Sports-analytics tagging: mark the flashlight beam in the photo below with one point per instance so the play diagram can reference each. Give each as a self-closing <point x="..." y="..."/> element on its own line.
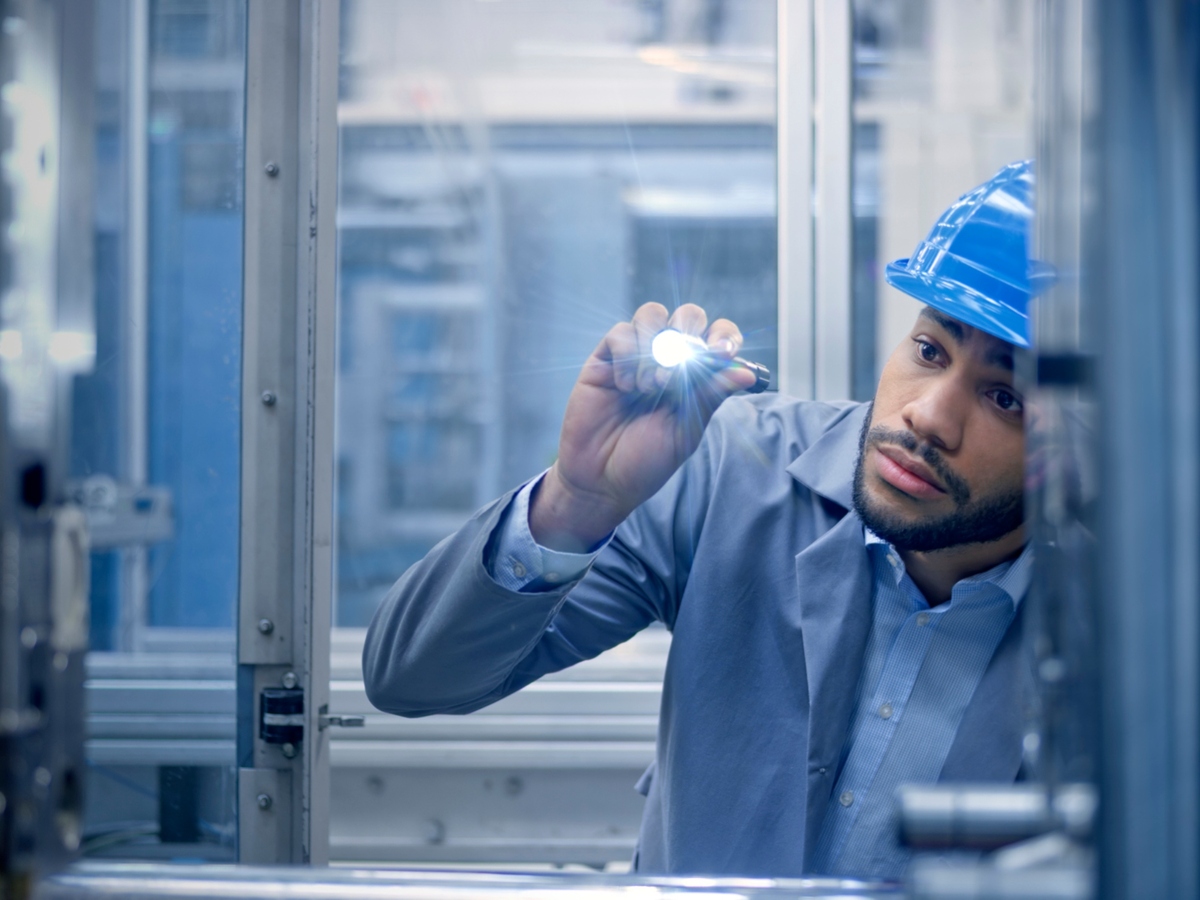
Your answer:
<point x="672" y="348"/>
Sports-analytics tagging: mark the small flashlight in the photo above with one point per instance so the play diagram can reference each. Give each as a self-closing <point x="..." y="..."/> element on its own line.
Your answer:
<point x="672" y="348"/>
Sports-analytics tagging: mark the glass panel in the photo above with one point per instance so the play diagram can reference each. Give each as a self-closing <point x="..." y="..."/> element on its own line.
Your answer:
<point x="155" y="437"/>
<point x="517" y="177"/>
<point x="943" y="97"/>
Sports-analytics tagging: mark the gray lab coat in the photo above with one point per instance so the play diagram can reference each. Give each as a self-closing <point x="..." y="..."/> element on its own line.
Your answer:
<point x="753" y="558"/>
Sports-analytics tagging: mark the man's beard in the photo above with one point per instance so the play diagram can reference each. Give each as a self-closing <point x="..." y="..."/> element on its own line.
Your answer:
<point x="978" y="521"/>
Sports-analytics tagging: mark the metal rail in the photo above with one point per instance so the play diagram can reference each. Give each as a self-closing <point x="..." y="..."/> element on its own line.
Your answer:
<point x="157" y="882"/>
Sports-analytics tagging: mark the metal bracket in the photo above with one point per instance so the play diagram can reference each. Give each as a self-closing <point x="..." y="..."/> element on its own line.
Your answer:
<point x="281" y="716"/>
<point x="324" y="722"/>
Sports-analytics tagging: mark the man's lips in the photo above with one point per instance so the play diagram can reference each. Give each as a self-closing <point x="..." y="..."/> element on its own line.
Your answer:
<point x="907" y="474"/>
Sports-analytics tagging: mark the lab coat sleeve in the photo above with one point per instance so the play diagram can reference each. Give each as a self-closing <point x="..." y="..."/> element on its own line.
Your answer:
<point x="448" y="638"/>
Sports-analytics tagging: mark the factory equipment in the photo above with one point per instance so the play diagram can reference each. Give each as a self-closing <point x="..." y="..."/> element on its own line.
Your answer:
<point x="1110" y="804"/>
<point x="45" y="337"/>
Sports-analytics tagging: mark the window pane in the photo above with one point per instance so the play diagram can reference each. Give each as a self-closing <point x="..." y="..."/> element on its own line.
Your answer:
<point x="943" y="98"/>
<point x="156" y="426"/>
<point x="515" y="178"/>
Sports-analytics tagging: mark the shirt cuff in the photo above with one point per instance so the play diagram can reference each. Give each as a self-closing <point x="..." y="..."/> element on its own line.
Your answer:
<point x="520" y="560"/>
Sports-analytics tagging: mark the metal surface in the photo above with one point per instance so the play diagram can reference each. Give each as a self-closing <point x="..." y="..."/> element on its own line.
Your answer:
<point x="794" y="154"/>
<point x="546" y="775"/>
<point x="988" y="816"/>
<point x="964" y="881"/>
<point x="814" y="211"/>
<point x="1141" y="282"/>
<point x="149" y="882"/>
<point x="120" y="515"/>
<point x="832" y="258"/>
<point x="287" y="446"/>
<point x="44" y="100"/>
<point x="135" y="312"/>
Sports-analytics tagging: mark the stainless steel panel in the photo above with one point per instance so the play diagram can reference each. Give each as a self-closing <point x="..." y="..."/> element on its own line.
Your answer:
<point x="150" y="882"/>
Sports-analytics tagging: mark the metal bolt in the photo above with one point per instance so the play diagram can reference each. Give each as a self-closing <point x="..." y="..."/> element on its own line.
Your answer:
<point x="288" y="750"/>
<point x="272" y="169"/>
<point x="290" y="680"/>
<point x="264" y="801"/>
<point x="265" y="626"/>
<point x="268" y="398"/>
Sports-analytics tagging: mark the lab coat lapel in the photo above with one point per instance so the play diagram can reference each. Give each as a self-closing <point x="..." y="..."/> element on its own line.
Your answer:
<point x="834" y="585"/>
<point x="833" y="581"/>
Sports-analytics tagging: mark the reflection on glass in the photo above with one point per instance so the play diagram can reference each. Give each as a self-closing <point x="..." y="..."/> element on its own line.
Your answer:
<point x="943" y="97"/>
<point x="155" y="432"/>
<point x="515" y="178"/>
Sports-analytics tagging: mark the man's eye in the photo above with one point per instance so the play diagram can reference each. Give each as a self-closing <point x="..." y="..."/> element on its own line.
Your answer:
<point x="928" y="352"/>
<point x="1006" y="401"/>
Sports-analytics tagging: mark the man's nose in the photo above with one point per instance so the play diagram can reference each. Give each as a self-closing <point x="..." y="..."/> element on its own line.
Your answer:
<point x="937" y="413"/>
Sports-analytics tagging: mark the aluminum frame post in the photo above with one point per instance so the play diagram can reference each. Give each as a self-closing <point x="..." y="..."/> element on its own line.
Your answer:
<point x="286" y="584"/>
<point x="833" y="256"/>
<point x="794" y="184"/>
<point x="815" y="106"/>
<point x="1143" y="273"/>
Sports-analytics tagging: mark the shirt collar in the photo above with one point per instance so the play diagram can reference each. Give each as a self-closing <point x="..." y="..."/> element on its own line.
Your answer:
<point x="1011" y="576"/>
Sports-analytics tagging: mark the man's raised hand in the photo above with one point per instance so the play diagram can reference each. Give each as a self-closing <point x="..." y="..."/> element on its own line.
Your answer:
<point x="630" y="424"/>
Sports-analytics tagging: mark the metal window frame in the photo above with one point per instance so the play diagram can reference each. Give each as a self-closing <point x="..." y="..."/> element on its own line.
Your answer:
<point x="814" y="161"/>
<point x="287" y="418"/>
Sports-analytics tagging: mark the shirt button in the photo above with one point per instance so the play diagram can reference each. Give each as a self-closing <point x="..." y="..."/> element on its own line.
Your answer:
<point x="847" y="798"/>
<point x="885" y="711"/>
<point x="518" y="569"/>
<point x="922" y="619"/>
<point x="552" y="577"/>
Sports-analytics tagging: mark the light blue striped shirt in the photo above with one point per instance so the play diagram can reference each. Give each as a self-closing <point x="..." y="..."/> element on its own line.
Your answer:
<point x="920" y="670"/>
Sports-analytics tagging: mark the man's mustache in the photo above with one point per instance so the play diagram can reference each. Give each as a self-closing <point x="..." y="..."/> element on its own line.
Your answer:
<point x="955" y="486"/>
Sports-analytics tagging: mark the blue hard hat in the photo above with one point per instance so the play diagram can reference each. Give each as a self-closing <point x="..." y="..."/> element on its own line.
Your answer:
<point x="974" y="266"/>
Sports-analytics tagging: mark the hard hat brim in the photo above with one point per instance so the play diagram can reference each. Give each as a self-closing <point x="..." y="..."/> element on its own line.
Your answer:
<point x="960" y="302"/>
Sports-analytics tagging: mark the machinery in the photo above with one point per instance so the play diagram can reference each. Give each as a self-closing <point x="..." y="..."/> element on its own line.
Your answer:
<point x="45" y="337"/>
<point x="1110" y="804"/>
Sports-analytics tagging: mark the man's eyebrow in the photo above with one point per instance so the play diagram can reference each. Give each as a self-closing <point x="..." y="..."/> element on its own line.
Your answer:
<point x="998" y="356"/>
<point x="952" y="326"/>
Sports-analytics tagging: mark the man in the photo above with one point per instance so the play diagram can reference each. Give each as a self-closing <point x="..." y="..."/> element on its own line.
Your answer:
<point x="843" y="581"/>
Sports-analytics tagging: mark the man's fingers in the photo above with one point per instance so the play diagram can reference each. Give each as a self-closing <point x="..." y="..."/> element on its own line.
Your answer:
<point x="724" y="338"/>
<point x="622" y="343"/>
<point x="690" y="319"/>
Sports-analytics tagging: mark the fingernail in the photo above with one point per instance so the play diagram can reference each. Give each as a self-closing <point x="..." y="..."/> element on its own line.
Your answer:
<point x="726" y="346"/>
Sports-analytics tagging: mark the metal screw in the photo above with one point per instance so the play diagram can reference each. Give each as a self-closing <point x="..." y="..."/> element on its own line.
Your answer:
<point x="268" y="398"/>
<point x="265" y="626"/>
<point x="290" y="680"/>
<point x="289" y="750"/>
<point x="271" y="169"/>
<point x="264" y="801"/>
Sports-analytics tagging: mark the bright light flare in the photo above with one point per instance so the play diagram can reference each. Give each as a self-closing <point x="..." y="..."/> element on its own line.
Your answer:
<point x="673" y="348"/>
<point x="11" y="344"/>
<point x="72" y="348"/>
